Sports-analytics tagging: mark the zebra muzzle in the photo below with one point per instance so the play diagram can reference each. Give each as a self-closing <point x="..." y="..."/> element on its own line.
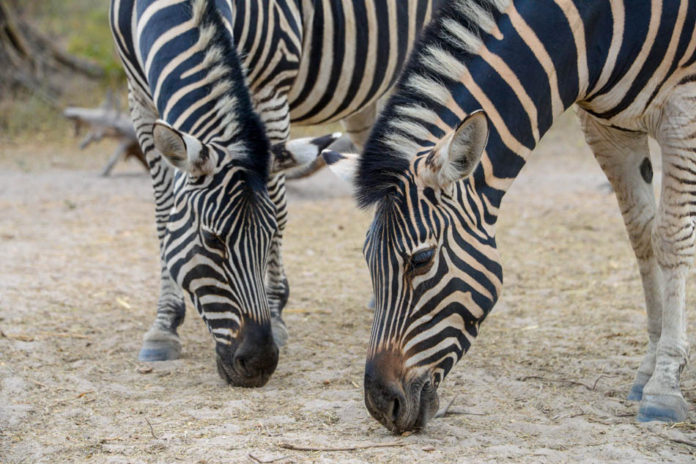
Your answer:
<point x="399" y="402"/>
<point x="251" y="361"/>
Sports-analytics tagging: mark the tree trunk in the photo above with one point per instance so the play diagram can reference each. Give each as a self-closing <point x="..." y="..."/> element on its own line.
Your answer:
<point x="28" y="58"/>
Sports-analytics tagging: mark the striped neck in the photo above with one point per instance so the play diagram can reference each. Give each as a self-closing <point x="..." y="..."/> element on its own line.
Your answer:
<point x="188" y="52"/>
<point x="524" y="64"/>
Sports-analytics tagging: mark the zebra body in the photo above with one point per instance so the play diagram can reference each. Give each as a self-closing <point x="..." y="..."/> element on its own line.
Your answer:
<point x="486" y="81"/>
<point x="213" y="86"/>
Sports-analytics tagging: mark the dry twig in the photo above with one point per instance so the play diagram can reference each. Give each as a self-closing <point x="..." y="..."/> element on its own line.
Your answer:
<point x="152" y="431"/>
<point x="682" y="441"/>
<point x="443" y="412"/>
<point x="392" y="444"/>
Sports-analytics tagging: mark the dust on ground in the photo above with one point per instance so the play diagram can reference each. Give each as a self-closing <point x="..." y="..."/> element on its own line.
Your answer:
<point x="545" y="382"/>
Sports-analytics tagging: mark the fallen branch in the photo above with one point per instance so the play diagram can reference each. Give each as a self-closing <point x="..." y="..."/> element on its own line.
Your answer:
<point x="107" y="121"/>
<point x="461" y="412"/>
<point x="392" y="444"/>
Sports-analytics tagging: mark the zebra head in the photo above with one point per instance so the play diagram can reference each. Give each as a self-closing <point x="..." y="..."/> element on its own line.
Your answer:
<point x="434" y="269"/>
<point x="217" y="242"/>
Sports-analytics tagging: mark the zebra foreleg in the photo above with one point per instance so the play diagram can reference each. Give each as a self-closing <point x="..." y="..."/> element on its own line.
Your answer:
<point x="673" y="244"/>
<point x="277" y="287"/>
<point x="161" y="342"/>
<point x="625" y="159"/>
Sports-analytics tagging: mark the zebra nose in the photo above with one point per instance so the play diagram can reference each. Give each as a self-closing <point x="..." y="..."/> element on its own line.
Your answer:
<point x="400" y="401"/>
<point x="252" y="361"/>
<point x="386" y="401"/>
<point x="385" y="397"/>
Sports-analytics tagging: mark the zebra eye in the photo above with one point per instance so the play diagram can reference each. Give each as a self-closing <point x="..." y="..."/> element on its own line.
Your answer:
<point x="214" y="241"/>
<point x="421" y="259"/>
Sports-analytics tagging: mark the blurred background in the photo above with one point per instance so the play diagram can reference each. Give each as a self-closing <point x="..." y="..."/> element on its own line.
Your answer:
<point x="53" y="53"/>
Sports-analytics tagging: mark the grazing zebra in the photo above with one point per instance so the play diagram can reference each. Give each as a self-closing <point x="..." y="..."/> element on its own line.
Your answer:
<point x="211" y="86"/>
<point x="483" y="85"/>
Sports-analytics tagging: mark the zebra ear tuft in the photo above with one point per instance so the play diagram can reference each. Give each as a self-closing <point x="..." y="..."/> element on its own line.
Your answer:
<point x="299" y="152"/>
<point x="344" y="165"/>
<point x="182" y="150"/>
<point x="457" y="156"/>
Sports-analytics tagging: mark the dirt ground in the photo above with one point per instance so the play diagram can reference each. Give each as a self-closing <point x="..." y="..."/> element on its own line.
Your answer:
<point x="545" y="382"/>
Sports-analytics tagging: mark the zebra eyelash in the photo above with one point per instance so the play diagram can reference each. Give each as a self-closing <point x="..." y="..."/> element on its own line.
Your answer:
<point x="420" y="262"/>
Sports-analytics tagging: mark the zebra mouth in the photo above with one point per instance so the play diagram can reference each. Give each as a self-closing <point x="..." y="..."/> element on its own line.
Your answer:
<point x="402" y="409"/>
<point x="428" y="404"/>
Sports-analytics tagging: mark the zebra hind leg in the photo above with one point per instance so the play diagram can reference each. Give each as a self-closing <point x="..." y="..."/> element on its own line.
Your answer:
<point x="673" y="244"/>
<point x="277" y="287"/>
<point x="161" y="342"/>
<point x="625" y="159"/>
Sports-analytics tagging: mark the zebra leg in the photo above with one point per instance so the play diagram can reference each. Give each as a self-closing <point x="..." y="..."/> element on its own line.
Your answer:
<point x="358" y="127"/>
<point x="625" y="159"/>
<point x="161" y="342"/>
<point x="277" y="287"/>
<point x="673" y="244"/>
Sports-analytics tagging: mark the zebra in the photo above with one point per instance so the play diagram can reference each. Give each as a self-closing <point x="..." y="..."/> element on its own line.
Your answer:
<point x="213" y="87"/>
<point x="485" y="82"/>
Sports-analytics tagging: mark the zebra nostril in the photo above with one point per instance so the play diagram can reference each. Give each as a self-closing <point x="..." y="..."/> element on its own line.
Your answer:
<point x="395" y="410"/>
<point x="240" y="365"/>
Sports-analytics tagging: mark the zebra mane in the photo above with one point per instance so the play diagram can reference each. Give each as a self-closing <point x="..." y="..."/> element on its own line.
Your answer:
<point x="240" y="127"/>
<point x="406" y="126"/>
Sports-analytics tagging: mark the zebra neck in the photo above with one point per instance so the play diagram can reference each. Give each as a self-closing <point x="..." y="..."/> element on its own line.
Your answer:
<point x="526" y="72"/>
<point x="523" y="63"/>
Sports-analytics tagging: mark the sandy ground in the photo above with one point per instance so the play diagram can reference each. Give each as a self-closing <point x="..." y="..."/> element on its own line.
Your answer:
<point x="545" y="382"/>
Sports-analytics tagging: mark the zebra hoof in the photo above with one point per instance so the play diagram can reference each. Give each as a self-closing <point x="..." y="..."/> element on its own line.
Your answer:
<point x="280" y="332"/>
<point x="665" y="408"/>
<point x="636" y="393"/>
<point x="160" y="345"/>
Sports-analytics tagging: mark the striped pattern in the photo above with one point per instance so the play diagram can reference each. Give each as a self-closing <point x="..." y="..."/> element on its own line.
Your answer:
<point x="227" y="77"/>
<point x="631" y="68"/>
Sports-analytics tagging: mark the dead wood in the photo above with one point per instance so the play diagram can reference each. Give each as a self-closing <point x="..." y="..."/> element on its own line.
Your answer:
<point x="290" y="446"/>
<point x="107" y="121"/>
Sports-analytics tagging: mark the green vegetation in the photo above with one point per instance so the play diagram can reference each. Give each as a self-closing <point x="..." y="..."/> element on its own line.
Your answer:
<point x="81" y="28"/>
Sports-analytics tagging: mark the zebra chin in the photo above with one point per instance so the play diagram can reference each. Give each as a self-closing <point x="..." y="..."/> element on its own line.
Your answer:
<point x="399" y="401"/>
<point x="250" y="360"/>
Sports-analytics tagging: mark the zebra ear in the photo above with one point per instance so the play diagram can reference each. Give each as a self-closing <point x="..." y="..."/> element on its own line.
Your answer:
<point x="182" y="150"/>
<point x="299" y="152"/>
<point x="459" y="153"/>
<point x="344" y="165"/>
